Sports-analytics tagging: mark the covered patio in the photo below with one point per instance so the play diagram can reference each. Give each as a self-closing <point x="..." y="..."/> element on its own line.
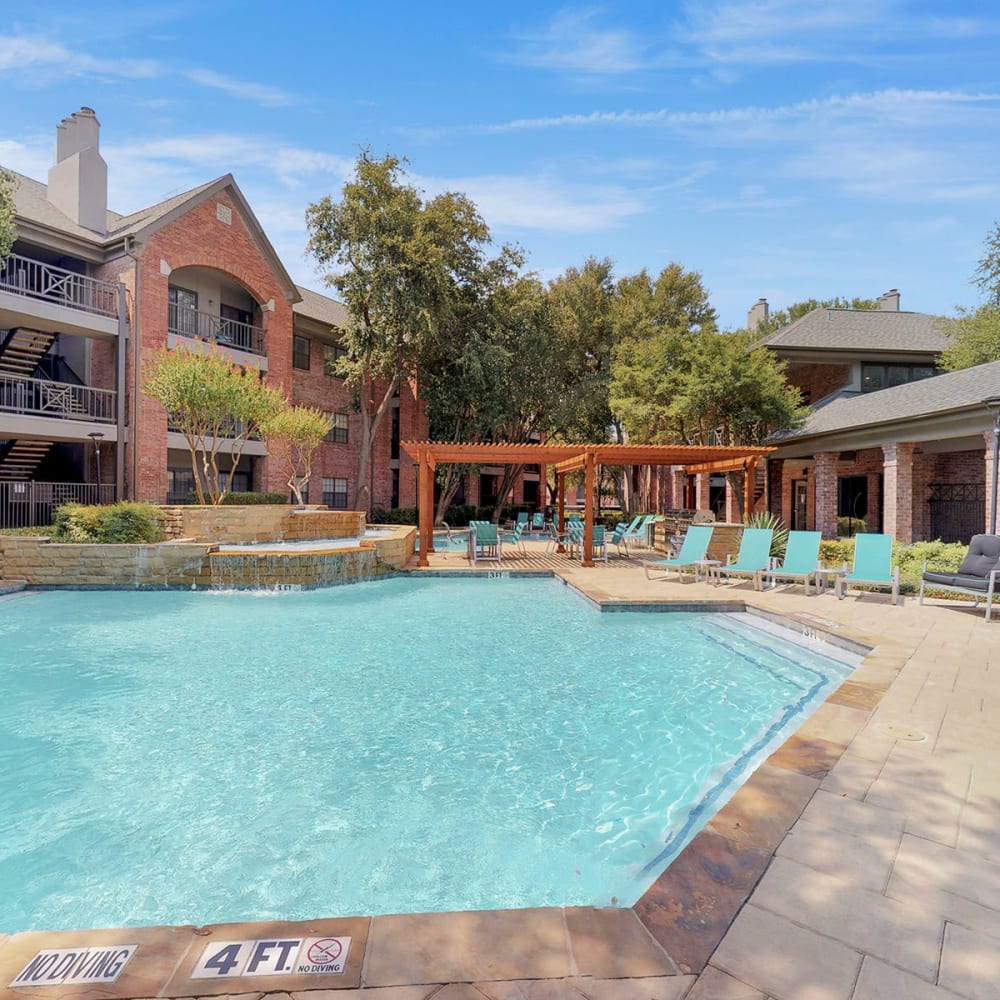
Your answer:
<point x="573" y="458"/>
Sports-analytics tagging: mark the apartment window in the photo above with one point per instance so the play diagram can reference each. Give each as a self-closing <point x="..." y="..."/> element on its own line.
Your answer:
<point x="875" y="377"/>
<point x="180" y="483"/>
<point x="394" y="439"/>
<point x="300" y="353"/>
<point x="332" y="353"/>
<point x="335" y="493"/>
<point x="182" y="311"/>
<point x="338" y="433"/>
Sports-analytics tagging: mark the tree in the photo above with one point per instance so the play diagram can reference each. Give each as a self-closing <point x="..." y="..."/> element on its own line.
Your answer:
<point x="211" y="401"/>
<point x="987" y="276"/>
<point x="399" y="264"/>
<point x="678" y="380"/>
<point x="973" y="337"/>
<point x="293" y="435"/>
<point x="7" y="211"/>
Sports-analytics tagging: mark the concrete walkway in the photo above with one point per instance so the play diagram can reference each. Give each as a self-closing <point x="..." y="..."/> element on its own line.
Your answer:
<point x="861" y="861"/>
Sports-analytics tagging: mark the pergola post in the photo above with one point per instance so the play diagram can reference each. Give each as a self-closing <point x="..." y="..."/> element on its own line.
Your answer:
<point x="560" y="507"/>
<point x="749" y="479"/>
<point x="426" y="518"/>
<point x="588" y="509"/>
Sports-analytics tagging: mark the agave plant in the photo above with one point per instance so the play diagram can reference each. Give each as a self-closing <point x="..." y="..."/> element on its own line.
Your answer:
<point x="765" y="519"/>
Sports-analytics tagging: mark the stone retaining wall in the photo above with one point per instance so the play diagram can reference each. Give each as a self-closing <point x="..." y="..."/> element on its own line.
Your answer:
<point x="41" y="563"/>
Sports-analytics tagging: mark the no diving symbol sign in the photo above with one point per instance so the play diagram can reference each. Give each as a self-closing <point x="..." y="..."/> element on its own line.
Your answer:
<point x="323" y="955"/>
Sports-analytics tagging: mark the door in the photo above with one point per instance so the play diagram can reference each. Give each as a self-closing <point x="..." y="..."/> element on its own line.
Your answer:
<point x="800" y="505"/>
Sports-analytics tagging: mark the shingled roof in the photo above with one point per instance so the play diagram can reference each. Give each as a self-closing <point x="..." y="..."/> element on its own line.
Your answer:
<point x="320" y="308"/>
<point x="860" y="331"/>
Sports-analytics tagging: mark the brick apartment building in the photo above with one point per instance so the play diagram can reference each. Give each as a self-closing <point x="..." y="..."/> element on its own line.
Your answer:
<point x="90" y="295"/>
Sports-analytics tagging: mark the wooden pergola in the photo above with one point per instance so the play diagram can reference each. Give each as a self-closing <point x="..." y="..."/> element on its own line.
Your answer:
<point x="572" y="458"/>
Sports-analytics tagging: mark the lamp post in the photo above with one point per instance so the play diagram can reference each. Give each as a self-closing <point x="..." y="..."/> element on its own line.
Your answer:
<point x="97" y="437"/>
<point x="993" y="405"/>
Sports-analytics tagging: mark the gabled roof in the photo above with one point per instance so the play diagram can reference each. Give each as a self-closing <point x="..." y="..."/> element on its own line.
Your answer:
<point x="32" y="205"/>
<point x="860" y="331"/>
<point x="321" y="308"/>
<point x="942" y="394"/>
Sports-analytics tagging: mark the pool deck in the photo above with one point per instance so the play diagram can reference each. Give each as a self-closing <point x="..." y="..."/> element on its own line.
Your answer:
<point x="861" y="860"/>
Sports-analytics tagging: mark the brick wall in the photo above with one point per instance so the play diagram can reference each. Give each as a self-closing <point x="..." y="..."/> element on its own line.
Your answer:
<point x="817" y="381"/>
<point x="199" y="239"/>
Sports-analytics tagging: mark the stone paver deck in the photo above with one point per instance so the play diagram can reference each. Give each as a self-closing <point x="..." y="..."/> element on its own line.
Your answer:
<point x="861" y="861"/>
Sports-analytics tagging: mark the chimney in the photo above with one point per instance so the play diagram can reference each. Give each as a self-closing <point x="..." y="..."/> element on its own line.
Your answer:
<point x="890" y="301"/>
<point x="757" y="315"/>
<point x="78" y="182"/>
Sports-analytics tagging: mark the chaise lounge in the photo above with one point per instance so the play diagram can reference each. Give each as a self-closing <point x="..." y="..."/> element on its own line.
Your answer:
<point x="977" y="576"/>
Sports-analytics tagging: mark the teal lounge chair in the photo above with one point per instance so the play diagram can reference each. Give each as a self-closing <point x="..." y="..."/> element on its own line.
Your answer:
<point x="872" y="566"/>
<point x="692" y="553"/>
<point x="637" y="534"/>
<point x="801" y="559"/>
<point x="537" y="521"/>
<point x="752" y="559"/>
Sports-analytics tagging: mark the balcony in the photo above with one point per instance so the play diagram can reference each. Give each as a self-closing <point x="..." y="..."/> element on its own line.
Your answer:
<point x="41" y="296"/>
<point x="183" y="321"/>
<point x="63" y="400"/>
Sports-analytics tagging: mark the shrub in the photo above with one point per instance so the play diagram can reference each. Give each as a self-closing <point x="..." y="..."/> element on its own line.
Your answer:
<point x="765" y="519"/>
<point x="849" y="526"/>
<point x="393" y="515"/>
<point x="123" y="522"/>
<point x="248" y="499"/>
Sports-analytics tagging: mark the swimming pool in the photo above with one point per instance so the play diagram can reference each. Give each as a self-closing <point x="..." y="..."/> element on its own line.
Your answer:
<point x="397" y="746"/>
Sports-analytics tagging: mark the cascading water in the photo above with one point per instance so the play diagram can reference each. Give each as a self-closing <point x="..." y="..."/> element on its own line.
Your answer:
<point x="270" y="569"/>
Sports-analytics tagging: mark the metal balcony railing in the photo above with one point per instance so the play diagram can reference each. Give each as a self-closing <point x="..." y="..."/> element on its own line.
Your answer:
<point x="36" y="280"/>
<point x="39" y="397"/>
<point x="31" y="504"/>
<point x="187" y="322"/>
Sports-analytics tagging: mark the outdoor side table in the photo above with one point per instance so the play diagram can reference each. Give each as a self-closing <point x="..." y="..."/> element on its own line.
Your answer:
<point x="706" y="566"/>
<point x="825" y="577"/>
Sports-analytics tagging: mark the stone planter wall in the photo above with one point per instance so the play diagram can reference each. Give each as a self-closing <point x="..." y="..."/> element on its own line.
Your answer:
<point x="260" y="523"/>
<point x="41" y="563"/>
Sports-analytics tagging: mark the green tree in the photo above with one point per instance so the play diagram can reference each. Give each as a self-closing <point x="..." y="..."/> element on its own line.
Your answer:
<point x="293" y="436"/>
<point x="211" y="402"/>
<point x="677" y="379"/>
<point x="973" y="337"/>
<point x="400" y="265"/>
<point x="987" y="276"/>
<point x="7" y="212"/>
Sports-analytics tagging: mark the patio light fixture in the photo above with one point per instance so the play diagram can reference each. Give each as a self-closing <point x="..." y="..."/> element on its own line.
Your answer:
<point x="97" y="437"/>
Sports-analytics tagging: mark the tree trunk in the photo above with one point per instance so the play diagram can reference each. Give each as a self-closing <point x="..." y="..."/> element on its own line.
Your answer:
<point x="369" y="428"/>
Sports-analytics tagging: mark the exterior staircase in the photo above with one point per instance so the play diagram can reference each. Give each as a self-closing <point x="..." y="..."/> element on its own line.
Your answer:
<point x="22" y="349"/>
<point x="19" y="459"/>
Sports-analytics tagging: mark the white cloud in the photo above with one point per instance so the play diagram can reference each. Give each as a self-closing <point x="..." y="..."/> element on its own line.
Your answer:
<point x="27" y="52"/>
<point x="259" y="93"/>
<point x="523" y="202"/>
<point x="571" y="42"/>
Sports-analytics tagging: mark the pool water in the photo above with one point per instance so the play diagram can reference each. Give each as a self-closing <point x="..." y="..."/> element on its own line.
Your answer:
<point x="396" y="746"/>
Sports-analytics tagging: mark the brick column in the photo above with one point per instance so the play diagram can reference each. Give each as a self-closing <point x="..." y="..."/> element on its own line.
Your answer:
<point x="991" y="529"/>
<point x="677" y="487"/>
<point x="733" y="505"/>
<point x="898" y="497"/>
<point x="826" y="492"/>
<point x="701" y="491"/>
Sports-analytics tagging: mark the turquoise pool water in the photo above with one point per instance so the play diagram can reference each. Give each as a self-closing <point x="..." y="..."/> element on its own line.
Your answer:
<point x="397" y="746"/>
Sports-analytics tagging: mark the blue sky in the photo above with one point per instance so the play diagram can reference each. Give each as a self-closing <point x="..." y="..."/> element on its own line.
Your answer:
<point x="784" y="149"/>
